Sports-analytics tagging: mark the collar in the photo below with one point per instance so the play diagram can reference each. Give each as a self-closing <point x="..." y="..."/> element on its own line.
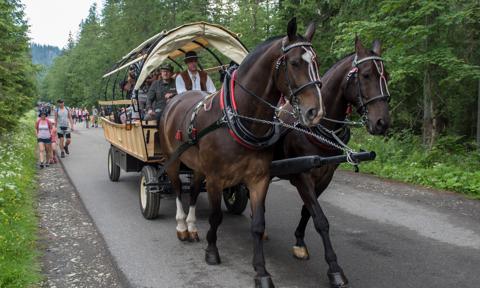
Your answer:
<point x="192" y="74"/>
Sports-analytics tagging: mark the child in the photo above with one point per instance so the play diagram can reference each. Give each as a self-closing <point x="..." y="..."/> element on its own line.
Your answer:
<point x="54" y="159"/>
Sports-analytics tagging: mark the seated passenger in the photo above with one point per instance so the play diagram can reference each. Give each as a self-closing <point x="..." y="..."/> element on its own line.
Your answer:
<point x="192" y="79"/>
<point x="160" y="91"/>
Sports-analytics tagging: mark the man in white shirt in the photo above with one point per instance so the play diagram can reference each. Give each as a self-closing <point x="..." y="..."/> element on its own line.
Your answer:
<point x="192" y="79"/>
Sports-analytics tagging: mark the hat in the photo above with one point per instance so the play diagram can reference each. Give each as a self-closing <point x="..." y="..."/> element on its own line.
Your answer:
<point x="166" y="66"/>
<point x="42" y="112"/>
<point x="190" y="55"/>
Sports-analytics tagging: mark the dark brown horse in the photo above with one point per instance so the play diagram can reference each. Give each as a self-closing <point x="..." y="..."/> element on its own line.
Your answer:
<point x="241" y="151"/>
<point x="358" y="80"/>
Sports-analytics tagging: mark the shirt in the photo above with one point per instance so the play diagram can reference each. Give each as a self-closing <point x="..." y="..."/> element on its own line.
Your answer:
<point x="195" y="83"/>
<point x="156" y="94"/>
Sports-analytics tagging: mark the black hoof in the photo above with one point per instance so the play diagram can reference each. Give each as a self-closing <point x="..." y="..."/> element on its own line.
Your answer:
<point x="212" y="257"/>
<point x="264" y="282"/>
<point x="338" y="280"/>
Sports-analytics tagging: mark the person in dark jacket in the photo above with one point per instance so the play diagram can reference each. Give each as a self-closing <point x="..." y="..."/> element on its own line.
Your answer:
<point x="160" y="91"/>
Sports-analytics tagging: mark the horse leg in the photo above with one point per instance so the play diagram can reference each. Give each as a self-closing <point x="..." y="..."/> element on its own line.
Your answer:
<point x="191" y="218"/>
<point x="258" y="192"/>
<point x="212" y="257"/>
<point x="300" y="250"/>
<point x="307" y="192"/>
<point x="173" y="175"/>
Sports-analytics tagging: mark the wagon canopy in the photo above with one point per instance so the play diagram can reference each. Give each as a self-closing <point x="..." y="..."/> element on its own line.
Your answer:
<point x="176" y="42"/>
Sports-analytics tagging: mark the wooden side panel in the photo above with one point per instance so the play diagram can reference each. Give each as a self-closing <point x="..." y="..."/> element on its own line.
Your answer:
<point x="130" y="141"/>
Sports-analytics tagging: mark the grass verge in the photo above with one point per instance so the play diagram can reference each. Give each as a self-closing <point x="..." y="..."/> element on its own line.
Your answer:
<point x="19" y="262"/>
<point x="451" y="164"/>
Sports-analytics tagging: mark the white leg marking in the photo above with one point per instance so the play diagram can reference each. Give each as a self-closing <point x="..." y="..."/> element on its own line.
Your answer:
<point x="191" y="220"/>
<point x="180" y="217"/>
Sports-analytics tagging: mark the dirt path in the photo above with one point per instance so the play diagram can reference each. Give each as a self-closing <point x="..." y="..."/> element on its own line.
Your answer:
<point x="74" y="253"/>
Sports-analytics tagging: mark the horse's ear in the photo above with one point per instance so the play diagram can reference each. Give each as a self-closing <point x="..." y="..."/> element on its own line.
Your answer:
<point x="292" y="29"/>
<point x="359" y="46"/>
<point x="377" y="47"/>
<point x="310" y="31"/>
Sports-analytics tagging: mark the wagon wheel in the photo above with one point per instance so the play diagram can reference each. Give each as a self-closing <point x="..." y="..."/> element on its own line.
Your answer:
<point x="149" y="201"/>
<point x="113" y="168"/>
<point x="236" y="199"/>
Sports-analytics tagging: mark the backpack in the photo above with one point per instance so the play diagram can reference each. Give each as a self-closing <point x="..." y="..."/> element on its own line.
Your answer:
<point x="48" y="123"/>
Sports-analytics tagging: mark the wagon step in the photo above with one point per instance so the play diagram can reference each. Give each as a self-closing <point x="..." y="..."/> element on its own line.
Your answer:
<point x="305" y="163"/>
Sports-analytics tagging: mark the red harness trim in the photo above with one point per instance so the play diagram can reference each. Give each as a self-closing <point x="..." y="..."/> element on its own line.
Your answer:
<point x="222" y="106"/>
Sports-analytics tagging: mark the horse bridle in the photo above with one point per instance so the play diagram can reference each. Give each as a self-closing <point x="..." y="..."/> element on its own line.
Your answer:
<point x="312" y="72"/>
<point x="384" y="93"/>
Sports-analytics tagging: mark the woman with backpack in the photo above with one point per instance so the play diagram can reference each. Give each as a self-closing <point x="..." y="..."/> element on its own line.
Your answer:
<point x="43" y="128"/>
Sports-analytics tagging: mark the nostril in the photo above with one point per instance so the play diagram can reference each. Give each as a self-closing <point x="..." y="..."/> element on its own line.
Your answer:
<point x="380" y="123"/>
<point x="312" y="113"/>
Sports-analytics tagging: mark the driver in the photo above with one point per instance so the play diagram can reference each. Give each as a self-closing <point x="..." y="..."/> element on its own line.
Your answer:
<point x="192" y="79"/>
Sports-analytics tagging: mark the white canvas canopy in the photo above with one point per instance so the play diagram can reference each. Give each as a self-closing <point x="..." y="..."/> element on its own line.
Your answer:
<point x="175" y="42"/>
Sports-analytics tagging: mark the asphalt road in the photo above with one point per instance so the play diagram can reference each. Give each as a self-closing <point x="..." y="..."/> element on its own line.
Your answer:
<point x="386" y="234"/>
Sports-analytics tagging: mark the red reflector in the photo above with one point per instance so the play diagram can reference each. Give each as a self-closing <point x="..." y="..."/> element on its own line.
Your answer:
<point x="178" y="135"/>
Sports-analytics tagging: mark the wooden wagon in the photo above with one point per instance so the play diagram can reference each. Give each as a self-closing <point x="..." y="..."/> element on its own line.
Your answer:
<point x="134" y="142"/>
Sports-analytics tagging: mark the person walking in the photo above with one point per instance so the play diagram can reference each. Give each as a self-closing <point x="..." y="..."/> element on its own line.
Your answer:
<point x="43" y="128"/>
<point x="94" y="117"/>
<point x="86" y="117"/>
<point x="63" y="117"/>
<point x="53" y="154"/>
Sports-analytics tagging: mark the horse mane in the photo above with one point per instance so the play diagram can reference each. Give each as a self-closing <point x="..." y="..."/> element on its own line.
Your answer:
<point x="331" y="69"/>
<point x="260" y="49"/>
<point x="338" y="63"/>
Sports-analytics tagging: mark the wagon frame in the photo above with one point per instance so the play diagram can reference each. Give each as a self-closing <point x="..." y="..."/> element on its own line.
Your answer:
<point x="134" y="144"/>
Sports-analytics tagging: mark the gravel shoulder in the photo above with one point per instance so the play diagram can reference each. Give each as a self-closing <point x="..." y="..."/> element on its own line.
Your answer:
<point x="74" y="253"/>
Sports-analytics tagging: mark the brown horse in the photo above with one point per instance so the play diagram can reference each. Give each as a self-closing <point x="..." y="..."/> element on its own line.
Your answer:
<point x="242" y="151"/>
<point x="358" y="80"/>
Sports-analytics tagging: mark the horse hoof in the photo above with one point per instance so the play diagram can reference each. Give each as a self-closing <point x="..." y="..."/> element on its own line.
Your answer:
<point x="338" y="280"/>
<point x="301" y="252"/>
<point x="193" y="236"/>
<point x="264" y="282"/>
<point x="182" y="235"/>
<point x="212" y="257"/>
<point x="265" y="236"/>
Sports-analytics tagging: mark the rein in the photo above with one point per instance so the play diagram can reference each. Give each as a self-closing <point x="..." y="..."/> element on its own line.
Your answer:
<point x="228" y="104"/>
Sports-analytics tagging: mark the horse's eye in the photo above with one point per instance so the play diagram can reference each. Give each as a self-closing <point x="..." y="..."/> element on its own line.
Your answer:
<point x="295" y="63"/>
<point x="366" y="75"/>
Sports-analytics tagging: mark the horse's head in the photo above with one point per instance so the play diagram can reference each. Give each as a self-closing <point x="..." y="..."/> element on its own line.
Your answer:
<point x="369" y="81"/>
<point x="297" y="75"/>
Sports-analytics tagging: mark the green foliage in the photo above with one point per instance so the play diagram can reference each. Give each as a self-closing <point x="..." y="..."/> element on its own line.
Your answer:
<point x="17" y="73"/>
<point x="19" y="266"/>
<point x="452" y="164"/>
<point x="438" y="39"/>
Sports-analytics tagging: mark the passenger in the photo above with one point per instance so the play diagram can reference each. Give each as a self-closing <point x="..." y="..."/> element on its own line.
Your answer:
<point x="192" y="79"/>
<point x="160" y="92"/>
<point x="43" y="129"/>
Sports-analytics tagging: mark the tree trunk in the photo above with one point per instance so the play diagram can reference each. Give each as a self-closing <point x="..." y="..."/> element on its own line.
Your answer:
<point x="478" y="115"/>
<point x="427" y="129"/>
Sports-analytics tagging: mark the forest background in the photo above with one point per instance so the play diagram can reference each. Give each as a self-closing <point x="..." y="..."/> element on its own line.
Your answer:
<point x="431" y="50"/>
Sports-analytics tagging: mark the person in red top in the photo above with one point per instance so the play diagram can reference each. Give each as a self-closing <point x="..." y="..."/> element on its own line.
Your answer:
<point x="43" y="128"/>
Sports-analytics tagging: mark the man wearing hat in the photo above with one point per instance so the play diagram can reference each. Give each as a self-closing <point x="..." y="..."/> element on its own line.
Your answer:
<point x="160" y="91"/>
<point x="192" y="79"/>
